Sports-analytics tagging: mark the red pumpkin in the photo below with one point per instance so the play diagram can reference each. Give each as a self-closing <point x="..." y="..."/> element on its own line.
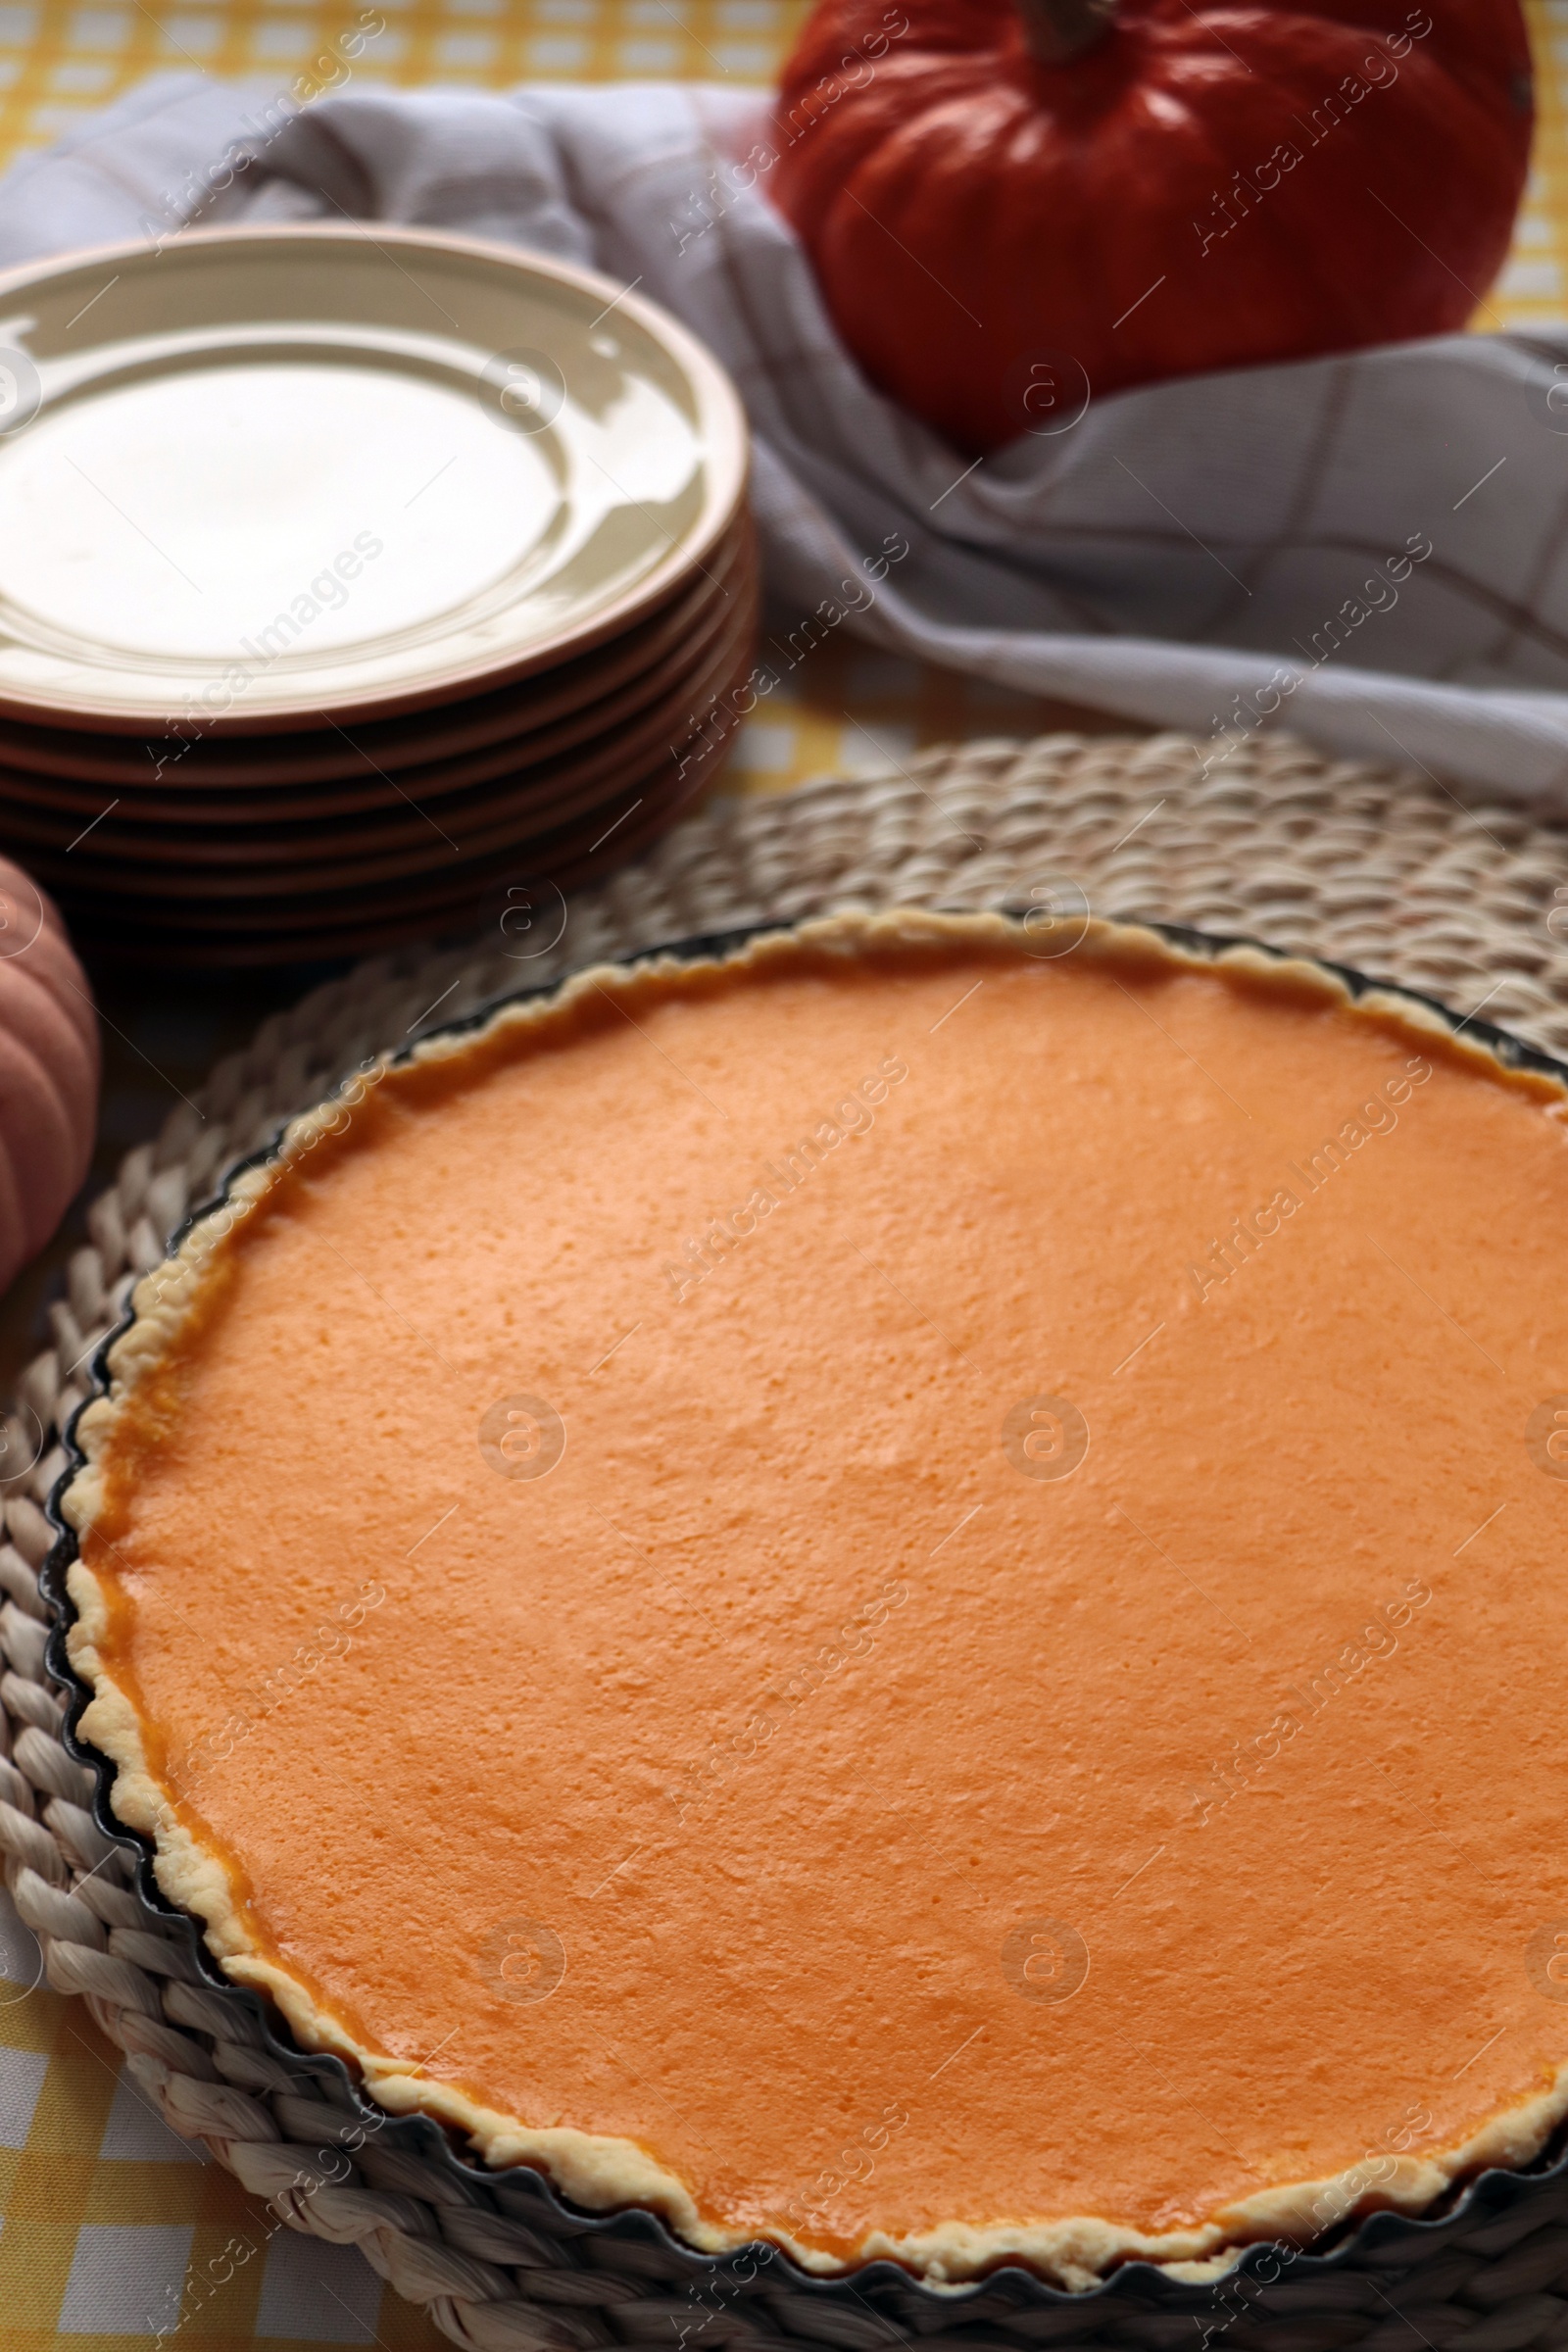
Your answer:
<point x="1006" y="191"/>
<point x="48" y="1070"/>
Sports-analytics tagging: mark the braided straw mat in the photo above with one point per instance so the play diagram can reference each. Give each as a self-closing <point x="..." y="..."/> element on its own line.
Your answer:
<point x="1373" y="867"/>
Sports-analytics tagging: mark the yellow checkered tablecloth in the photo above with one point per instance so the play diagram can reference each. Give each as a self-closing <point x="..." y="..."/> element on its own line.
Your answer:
<point x="112" y="2230"/>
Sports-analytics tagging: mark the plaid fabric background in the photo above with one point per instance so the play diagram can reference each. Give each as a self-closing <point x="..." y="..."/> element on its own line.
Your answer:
<point x="110" y="2228"/>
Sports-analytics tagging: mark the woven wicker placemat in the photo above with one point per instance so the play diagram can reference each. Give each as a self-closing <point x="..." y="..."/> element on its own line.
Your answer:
<point x="1377" y="868"/>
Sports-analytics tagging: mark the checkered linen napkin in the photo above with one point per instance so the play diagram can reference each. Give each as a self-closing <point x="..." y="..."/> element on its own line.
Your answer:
<point x="1372" y="549"/>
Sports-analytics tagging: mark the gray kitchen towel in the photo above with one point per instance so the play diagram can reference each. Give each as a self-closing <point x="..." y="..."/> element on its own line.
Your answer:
<point x="1372" y="549"/>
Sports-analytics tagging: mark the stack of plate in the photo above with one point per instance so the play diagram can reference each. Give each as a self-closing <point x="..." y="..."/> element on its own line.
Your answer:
<point x="346" y="579"/>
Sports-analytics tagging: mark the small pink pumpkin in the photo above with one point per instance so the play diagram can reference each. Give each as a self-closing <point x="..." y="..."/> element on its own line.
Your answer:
<point x="48" y="1069"/>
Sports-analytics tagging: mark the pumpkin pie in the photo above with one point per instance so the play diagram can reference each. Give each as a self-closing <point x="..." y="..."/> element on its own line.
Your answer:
<point x="901" y="1593"/>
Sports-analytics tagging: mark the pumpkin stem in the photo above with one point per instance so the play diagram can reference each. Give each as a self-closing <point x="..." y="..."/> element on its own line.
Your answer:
<point x="1055" y="31"/>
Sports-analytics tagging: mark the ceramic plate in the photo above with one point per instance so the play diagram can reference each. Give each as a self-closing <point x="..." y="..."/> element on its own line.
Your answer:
<point x="190" y="761"/>
<point x="47" y="807"/>
<point x="160" y="867"/>
<point x="269" y="476"/>
<point x="308" y="929"/>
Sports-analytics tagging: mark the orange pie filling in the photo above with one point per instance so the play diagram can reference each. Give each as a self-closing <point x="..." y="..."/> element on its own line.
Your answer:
<point x="905" y="1594"/>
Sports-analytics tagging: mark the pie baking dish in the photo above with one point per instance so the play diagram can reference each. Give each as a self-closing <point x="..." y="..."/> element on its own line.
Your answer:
<point x="1034" y="1981"/>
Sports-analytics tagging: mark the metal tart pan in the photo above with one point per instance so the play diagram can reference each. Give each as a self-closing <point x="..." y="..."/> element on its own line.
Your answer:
<point x="1385" y="2281"/>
